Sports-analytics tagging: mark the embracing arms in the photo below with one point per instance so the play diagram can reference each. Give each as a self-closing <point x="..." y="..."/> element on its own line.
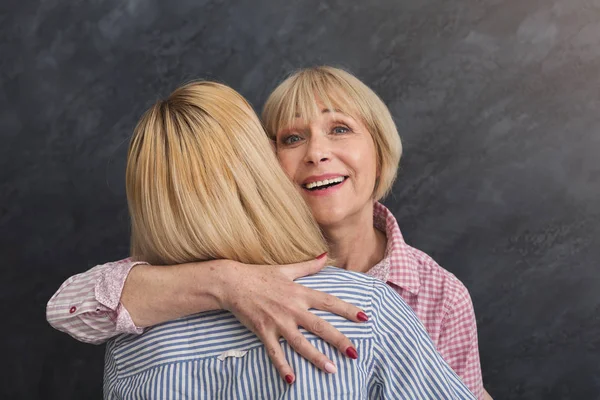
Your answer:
<point x="125" y="297"/>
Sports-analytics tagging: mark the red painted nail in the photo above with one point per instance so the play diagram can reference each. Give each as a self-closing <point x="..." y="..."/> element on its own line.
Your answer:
<point x="322" y="255"/>
<point x="362" y="316"/>
<point x="289" y="379"/>
<point x="351" y="352"/>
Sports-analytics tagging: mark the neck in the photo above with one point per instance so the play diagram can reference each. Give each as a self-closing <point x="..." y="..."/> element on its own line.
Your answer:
<point x="355" y="244"/>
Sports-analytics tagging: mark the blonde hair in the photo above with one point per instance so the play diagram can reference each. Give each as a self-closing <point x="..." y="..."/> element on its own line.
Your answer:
<point x="339" y="90"/>
<point x="203" y="183"/>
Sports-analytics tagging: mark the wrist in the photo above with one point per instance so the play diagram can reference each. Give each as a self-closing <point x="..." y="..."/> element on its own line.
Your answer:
<point x="212" y="279"/>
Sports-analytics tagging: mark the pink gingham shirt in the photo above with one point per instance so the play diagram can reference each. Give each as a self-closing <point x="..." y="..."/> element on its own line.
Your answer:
<point x="439" y="299"/>
<point x="87" y="306"/>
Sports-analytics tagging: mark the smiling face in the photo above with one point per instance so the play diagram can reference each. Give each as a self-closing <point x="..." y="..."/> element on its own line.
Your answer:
<point x="332" y="160"/>
<point x="335" y="139"/>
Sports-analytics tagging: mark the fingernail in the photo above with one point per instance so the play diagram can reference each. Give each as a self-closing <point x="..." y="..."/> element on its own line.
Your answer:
<point x="321" y="256"/>
<point x="289" y="379"/>
<point x="362" y="317"/>
<point x="351" y="352"/>
<point x="330" y="368"/>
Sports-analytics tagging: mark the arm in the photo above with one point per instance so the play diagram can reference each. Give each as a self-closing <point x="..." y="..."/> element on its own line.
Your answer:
<point x="156" y="294"/>
<point x="127" y="296"/>
<point x="264" y="298"/>
<point x="406" y="363"/>
<point x="458" y="341"/>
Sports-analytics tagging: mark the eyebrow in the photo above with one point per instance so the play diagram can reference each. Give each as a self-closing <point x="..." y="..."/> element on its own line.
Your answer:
<point x="325" y="110"/>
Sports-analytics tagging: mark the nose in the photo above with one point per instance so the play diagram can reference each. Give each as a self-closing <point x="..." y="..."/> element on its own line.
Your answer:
<point x="317" y="150"/>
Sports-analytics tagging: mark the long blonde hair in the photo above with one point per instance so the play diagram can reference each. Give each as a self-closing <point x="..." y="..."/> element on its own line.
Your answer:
<point x="297" y="97"/>
<point x="203" y="183"/>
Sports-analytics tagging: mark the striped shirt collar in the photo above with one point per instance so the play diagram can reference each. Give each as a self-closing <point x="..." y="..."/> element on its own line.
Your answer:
<point x="399" y="265"/>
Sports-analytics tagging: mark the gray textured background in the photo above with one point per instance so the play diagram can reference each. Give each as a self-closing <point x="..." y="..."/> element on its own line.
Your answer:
<point x="497" y="103"/>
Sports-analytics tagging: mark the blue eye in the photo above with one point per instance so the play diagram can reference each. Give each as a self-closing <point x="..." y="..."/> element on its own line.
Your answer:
<point x="340" y="130"/>
<point x="291" y="139"/>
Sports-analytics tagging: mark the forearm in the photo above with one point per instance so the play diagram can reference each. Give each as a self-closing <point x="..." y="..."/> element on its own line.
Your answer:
<point x="156" y="294"/>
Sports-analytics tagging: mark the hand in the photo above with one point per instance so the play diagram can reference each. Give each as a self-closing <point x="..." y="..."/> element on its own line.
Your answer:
<point x="267" y="301"/>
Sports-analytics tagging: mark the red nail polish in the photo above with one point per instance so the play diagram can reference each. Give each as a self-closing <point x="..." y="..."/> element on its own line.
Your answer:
<point x="321" y="256"/>
<point x="351" y="352"/>
<point x="362" y="316"/>
<point x="289" y="379"/>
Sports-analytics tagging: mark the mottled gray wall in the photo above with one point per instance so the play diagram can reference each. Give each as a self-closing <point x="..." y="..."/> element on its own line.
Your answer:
<point x="497" y="103"/>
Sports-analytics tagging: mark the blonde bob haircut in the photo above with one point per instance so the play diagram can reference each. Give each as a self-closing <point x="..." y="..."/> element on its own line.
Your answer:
<point x="341" y="91"/>
<point x="203" y="183"/>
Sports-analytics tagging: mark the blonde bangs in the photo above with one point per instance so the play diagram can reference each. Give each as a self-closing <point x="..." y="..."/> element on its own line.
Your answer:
<point x="298" y="99"/>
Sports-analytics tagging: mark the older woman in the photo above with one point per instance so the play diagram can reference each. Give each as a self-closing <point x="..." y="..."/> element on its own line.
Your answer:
<point x="336" y="140"/>
<point x="202" y="183"/>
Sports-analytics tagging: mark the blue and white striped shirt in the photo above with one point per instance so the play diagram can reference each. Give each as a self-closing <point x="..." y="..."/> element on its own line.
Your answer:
<point x="213" y="356"/>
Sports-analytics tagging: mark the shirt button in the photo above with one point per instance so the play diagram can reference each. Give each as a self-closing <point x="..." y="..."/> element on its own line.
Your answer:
<point x="73" y="309"/>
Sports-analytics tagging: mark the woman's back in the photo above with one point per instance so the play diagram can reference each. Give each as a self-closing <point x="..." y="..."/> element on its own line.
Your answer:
<point x="213" y="356"/>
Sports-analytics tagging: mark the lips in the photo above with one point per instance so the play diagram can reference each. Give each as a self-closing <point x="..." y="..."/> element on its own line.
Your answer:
<point x="322" y="182"/>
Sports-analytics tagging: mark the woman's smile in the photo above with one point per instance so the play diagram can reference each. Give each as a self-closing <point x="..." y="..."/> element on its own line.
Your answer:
<point x="323" y="185"/>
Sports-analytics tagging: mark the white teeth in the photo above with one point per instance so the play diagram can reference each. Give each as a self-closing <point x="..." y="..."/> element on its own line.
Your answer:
<point x="325" y="182"/>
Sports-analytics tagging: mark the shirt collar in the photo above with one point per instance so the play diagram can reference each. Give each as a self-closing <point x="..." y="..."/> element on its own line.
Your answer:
<point x="399" y="265"/>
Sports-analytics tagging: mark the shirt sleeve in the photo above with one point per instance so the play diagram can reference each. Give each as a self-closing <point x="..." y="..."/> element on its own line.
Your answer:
<point x="458" y="342"/>
<point x="405" y="361"/>
<point x="87" y="306"/>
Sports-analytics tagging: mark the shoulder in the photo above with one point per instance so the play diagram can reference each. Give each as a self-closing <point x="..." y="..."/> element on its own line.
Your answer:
<point x="357" y="288"/>
<point x="413" y="269"/>
<point x="384" y="301"/>
<point x="439" y="283"/>
<point x="389" y="315"/>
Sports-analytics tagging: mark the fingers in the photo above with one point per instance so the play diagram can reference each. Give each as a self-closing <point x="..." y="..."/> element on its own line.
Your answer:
<point x="326" y="302"/>
<point x="277" y="357"/>
<point x="329" y="333"/>
<point x="298" y="270"/>
<point x="298" y="342"/>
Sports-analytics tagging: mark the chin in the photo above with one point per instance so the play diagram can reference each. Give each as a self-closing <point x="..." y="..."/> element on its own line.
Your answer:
<point x="329" y="217"/>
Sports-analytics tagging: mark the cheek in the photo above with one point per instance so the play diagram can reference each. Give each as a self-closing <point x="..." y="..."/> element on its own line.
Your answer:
<point x="365" y="162"/>
<point x="288" y="162"/>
